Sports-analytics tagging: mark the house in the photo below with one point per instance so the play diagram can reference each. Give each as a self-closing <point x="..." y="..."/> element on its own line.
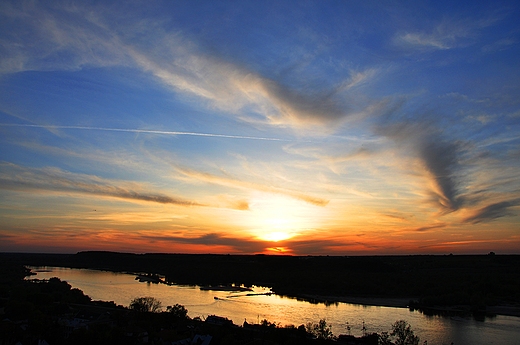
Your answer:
<point x="218" y="320"/>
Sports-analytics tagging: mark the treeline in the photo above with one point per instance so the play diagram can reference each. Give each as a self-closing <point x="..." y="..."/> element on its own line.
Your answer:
<point x="432" y="280"/>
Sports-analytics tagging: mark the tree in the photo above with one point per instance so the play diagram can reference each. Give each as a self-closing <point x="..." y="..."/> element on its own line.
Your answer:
<point x="178" y="311"/>
<point x="146" y="305"/>
<point x="404" y="334"/>
<point x="384" y="339"/>
<point x="320" y="330"/>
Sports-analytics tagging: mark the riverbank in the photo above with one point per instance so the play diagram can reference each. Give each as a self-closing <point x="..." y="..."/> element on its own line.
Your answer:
<point x="393" y="302"/>
<point x="507" y="310"/>
<point x="400" y="302"/>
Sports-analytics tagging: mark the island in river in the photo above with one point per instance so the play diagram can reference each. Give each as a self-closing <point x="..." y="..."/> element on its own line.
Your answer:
<point x="433" y="283"/>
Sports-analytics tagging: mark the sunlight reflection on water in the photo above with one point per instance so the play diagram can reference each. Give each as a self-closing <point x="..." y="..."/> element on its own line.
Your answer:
<point x="122" y="288"/>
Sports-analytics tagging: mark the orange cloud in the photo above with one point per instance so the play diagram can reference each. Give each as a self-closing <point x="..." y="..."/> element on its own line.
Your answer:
<point x="16" y="177"/>
<point x="236" y="183"/>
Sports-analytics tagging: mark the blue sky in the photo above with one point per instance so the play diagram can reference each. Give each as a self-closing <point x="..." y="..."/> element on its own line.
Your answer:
<point x="320" y="127"/>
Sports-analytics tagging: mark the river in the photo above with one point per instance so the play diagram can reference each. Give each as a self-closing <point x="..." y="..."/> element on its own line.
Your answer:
<point x="237" y="306"/>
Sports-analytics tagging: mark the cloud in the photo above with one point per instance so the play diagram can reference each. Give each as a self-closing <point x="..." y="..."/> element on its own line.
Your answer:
<point x="311" y="107"/>
<point x="448" y="34"/>
<point x="72" y="37"/>
<point x="430" y="227"/>
<point x="492" y="211"/>
<point x="236" y="183"/>
<point x="440" y="160"/>
<point x="235" y="89"/>
<point x="59" y="36"/>
<point x="322" y="155"/>
<point x="17" y="177"/>
<point x="334" y="246"/>
<point x="238" y="245"/>
<point x="438" y="157"/>
<point x="422" y="40"/>
<point x="500" y="45"/>
<point x="251" y="245"/>
<point x="241" y="205"/>
<point x="5" y="237"/>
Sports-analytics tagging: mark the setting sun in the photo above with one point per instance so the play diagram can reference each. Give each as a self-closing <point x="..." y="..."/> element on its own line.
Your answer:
<point x="276" y="218"/>
<point x="276" y="236"/>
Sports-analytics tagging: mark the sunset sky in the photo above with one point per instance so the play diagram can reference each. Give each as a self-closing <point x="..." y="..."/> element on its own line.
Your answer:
<point x="295" y="127"/>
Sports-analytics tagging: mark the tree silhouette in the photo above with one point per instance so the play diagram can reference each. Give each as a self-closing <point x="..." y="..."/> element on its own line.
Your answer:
<point x="178" y="311"/>
<point x="320" y="330"/>
<point x="146" y="304"/>
<point x="404" y="334"/>
<point x="384" y="339"/>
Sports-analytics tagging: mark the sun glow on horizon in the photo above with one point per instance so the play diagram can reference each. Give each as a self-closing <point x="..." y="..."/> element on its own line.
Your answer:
<point x="276" y="236"/>
<point x="275" y="218"/>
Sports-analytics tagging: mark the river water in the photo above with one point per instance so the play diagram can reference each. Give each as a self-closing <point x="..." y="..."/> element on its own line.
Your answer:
<point x="122" y="288"/>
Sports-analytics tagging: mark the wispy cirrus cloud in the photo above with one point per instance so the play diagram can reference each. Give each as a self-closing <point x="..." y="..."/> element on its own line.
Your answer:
<point x="502" y="44"/>
<point x="236" y="89"/>
<point x="21" y="178"/>
<point x="448" y="34"/>
<point x="336" y="153"/>
<point x="492" y="211"/>
<point x="435" y="40"/>
<point x="247" y="185"/>
<point x="76" y="37"/>
<point x="61" y="36"/>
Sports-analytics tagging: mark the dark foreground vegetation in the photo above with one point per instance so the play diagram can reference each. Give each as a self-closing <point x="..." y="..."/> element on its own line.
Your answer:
<point x="52" y="312"/>
<point x="433" y="283"/>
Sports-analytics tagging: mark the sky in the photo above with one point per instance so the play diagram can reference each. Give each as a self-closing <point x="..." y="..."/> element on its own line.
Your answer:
<point x="246" y="127"/>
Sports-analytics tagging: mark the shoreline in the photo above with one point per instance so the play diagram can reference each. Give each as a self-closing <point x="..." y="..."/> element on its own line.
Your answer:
<point x="391" y="302"/>
<point x="401" y="302"/>
<point x="504" y="310"/>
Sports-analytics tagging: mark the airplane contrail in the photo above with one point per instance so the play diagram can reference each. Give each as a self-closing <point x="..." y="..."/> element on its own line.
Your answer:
<point x="229" y="136"/>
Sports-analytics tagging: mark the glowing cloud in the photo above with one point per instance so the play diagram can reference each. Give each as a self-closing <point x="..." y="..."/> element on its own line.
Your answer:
<point x="51" y="179"/>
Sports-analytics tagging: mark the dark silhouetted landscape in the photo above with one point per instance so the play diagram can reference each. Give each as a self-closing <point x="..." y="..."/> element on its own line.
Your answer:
<point x="476" y="283"/>
<point x="53" y="310"/>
